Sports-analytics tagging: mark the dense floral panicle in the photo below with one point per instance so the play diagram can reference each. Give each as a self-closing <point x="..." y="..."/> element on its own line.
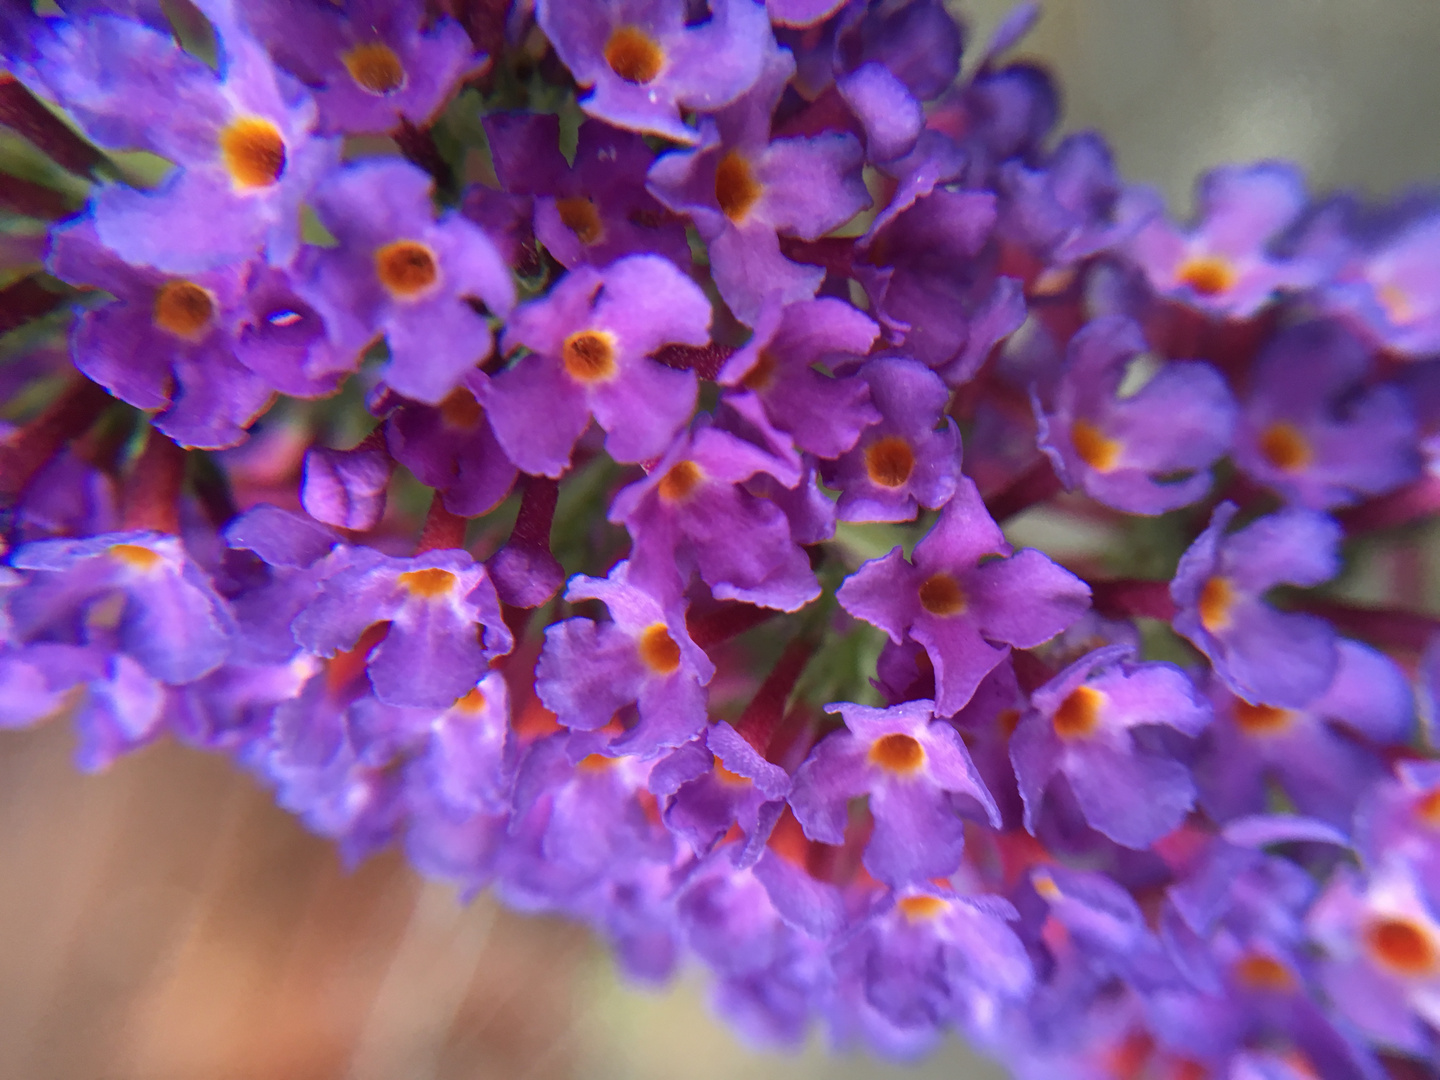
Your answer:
<point x="166" y="344"/>
<point x="399" y="272"/>
<point x="452" y="448"/>
<point x="824" y="415"/>
<point x="1063" y="211"/>
<point x="1388" y="287"/>
<point x="908" y="459"/>
<point x="742" y="191"/>
<point x="692" y="514"/>
<point x="918" y="776"/>
<point x="1263" y="655"/>
<point x="642" y="62"/>
<point x="1224" y="266"/>
<point x="443" y="617"/>
<point x="1381" y="938"/>
<point x="243" y="143"/>
<point x="170" y="620"/>
<point x="593" y="210"/>
<point x="1324" y="771"/>
<point x="1083" y="724"/>
<point x="956" y="602"/>
<point x="1311" y="429"/>
<point x="368" y="63"/>
<point x="590" y="340"/>
<point x="644" y="656"/>
<point x="1146" y="452"/>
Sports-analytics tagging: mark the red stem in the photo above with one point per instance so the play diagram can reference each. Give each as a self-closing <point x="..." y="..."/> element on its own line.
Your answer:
<point x="1411" y="503"/>
<point x="705" y="360"/>
<point x="443" y="531"/>
<point x="1126" y="597"/>
<point x="722" y="623"/>
<point x="537" y="512"/>
<point x="23" y="113"/>
<point x="29" y="449"/>
<point x="1033" y="486"/>
<point x="1387" y="627"/>
<point x="24" y="301"/>
<point x="761" y="717"/>
<point x="152" y="490"/>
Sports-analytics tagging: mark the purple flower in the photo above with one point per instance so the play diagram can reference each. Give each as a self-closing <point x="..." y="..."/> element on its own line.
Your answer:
<point x="643" y="62"/>
<point x="1224" y="266"/>
<point x="368" y="63"/>
<point x="591" y="340"/>
<point x="593" y="211"/>
<point x="955" y="602"/>
<point x="346" y="488"/>
<point x="439" y="607"/>
<point x="1310" y="751"/>
<point x="399" y="272"/>
<point x="452" y="448"/>
<point x="691" y="513"/>
<point x="1390" y="285"/>
<point x="170" y="620"/>
<point x="823" y="415"/>
<point x="242" y="143"/>
<point x="1082" y="725"/>
<point x="588" y="671"/>
<point x="1263" y="655"/>
<point x="1063" y="211"/>
<point x="166" y="344"/>
<point x="918" y="776"/>
<point x="742" y="190"/>
<point x="1313" y="432"/>
<point x="911" y="458"/>
<point x="1145" y="453"/>
<point x="717" y="781"/>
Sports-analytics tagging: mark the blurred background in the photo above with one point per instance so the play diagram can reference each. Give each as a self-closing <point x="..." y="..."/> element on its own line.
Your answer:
<point x="164" y="920"/>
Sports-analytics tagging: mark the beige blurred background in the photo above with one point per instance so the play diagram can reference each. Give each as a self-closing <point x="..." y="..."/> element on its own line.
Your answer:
<point x="165" y="922"/>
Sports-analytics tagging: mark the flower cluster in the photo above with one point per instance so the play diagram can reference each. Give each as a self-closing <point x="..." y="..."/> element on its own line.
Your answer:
<point x="676" y="317"/>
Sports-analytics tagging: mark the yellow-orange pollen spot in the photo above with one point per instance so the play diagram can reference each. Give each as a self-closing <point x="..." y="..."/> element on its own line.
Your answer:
<point x="725" y="776"/>
<point x="1401" y="946"/>
<point x="1045" y="886"/>
<point x="1285" y="447"/>
<point x="427" y="584"/>
<point x="375" y="68"/>
<point x="593" y="763"/>
<point x="679" y="480"/>
<point x="634" y="55"/>
<point x="184" y="309"/>
<point x="1261" y="719"/>
<point x="589" y="355"/>
<point x="460" y="410"/>
<point x="1216" y="600"/>
<point x="940" y="594"/>
<point x="406" y="268"/>
<point x="1079" y="714"/>
<point x="1096" y="449"/>
<point x="1208" y="275"/>
<point x="658" y="649"/>
<point x="921" y="908"/>
<point x="1427" y="809"/>
<point x="762" y="375"/>
<point x="581" y="218"/>
<point x="473" y="703"/>
<point x="897" y="753"/>
<point x="1396" y="302"/>
<point x="253" y="152"/>
<point x="136" y="557"/>
<point x="889" y="461"/>
<point x="736" y="188"/>
<point x="1265" y="973"/>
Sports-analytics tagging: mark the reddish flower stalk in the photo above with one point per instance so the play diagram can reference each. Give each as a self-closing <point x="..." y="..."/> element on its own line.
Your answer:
<point x="761" y="717"/>
<point x="152" y="490"/>
<point x="32" y="446"/>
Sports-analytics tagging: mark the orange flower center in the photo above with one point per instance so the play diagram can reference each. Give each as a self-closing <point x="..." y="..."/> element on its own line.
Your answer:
<point x="252" y="151"/>
<point x="889" y="461"/>
<point x="580" y="216"/>
<point x="1401" y="946"/>
<point x="658" y="649"/>
<point x="679" y="480"/>
<point x="589" y="355"/>
<point x="1095" y="449"/>
<point x="1208" y="275"/>
<point x="136" y="557"/>
<point x="460" y="410"/>
<point x="762" y="375"/>
<point x="472" y="704"/>
<point x="184" y="309"/>
<point x="1217" y="599"/>
<point x="428" y="584"/>
<point x="897" y="753"/>
<point x="1261" y="719"/>
<point x="375" y="68"/>
<point x="1259" y="972"/>
<point x="921" y="908"/>
<point x="634" y="55"/>
<point x="736" y="188"/>
<point x="1079" y="714"/>
<point x="940" y="594"/>
<point x="1285" y="447"/>
<point x="406" y="268"/>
